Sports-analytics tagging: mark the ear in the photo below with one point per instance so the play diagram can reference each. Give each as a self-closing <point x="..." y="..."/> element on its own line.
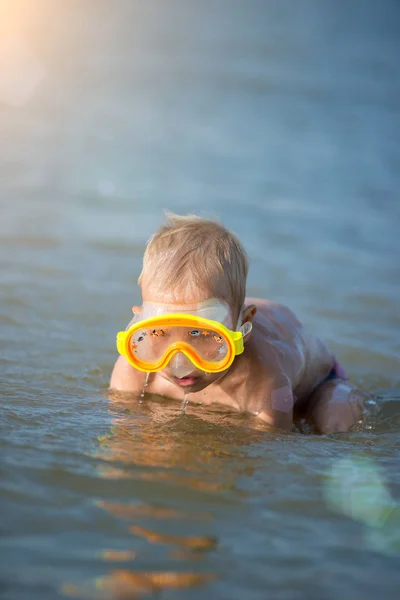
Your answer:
<point x="249" y="313"/>
<point x="136" y="310"/>
<point x="248" y="316"/>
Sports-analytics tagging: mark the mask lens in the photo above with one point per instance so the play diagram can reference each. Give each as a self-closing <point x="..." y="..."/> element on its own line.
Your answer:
<point x="207" y="343"/>
<point x="150" y="344"/>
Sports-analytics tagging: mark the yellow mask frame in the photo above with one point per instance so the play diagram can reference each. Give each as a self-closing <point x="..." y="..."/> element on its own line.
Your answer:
<point x="234" y="341"/>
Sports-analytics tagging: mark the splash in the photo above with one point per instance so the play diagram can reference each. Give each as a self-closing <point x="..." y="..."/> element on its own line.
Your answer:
<point x="370" y="413"/>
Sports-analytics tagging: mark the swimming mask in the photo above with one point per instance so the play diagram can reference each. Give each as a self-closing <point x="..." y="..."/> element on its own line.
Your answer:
<point x="161" y="331"/>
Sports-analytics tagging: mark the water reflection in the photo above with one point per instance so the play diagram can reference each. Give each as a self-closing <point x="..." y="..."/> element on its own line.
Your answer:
<point x="126" y="585"/>
<point x="197" y="456"/>
<point x="129" y="511"/>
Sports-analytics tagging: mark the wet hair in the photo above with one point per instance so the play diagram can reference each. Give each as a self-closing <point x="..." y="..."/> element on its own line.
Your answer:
<point x="198" y="256"/>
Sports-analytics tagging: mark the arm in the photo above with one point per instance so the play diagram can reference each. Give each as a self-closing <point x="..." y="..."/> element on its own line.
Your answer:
<point x="278" y="410"/>
<point x="284" y="422"/>
<point x="124" y="377"/>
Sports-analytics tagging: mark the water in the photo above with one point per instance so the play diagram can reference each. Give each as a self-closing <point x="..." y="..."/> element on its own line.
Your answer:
<point x="281" y="119"/>
<point x="185" y="402"/>
<point x="146" y="383"/>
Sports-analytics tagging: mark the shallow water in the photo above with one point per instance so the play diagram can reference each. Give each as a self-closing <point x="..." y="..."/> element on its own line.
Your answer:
<point x="282" y="119"/>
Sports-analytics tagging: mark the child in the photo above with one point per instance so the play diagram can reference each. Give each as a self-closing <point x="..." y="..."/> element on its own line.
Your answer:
<point x="196" y="333"/>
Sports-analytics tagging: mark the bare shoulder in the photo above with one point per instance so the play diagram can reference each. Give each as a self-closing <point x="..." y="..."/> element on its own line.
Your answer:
<point x="274" y="312"/>
<point x="125" y="378"/>
<point x="302" y="356"/>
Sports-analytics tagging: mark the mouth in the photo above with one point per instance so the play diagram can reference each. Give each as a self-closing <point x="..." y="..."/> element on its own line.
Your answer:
<point x="186" y="381"/>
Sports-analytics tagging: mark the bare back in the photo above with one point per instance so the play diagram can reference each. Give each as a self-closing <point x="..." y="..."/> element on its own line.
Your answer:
<point x="282" y="341"/>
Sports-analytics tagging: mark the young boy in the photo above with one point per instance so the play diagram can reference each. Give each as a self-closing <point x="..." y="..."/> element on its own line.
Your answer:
<point x="196" y="333"/>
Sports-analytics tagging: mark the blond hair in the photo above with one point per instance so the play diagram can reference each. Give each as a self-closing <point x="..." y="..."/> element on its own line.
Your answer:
<point x="193" y="253"/>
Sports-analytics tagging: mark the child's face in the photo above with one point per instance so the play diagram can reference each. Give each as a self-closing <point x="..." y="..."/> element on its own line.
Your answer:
<point x="195" y="381"/>
<point x="180" y="371"/>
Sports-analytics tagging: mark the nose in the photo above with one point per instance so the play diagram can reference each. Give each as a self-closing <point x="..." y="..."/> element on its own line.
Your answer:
<point x="180" y="365"/>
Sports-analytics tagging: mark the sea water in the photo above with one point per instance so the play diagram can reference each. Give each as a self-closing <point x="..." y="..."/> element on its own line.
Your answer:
<point x="281" y="119"/>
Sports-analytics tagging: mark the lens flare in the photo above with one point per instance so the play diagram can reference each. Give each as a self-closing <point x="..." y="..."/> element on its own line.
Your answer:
<point x="21" y="71"/>
<point x="356" y="488"/>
